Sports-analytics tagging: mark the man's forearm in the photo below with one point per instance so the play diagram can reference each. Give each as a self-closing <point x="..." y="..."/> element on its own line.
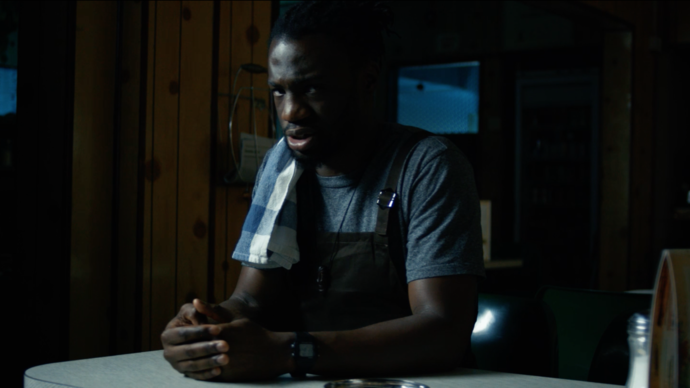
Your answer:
<point x="415" y="344"/>
<point x="259" y="294"/>
<point x="434" y="338"/>
<point x="242" y="305"/>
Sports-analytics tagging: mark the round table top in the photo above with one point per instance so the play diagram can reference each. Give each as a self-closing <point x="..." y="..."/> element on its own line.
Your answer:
<point x="149" y="369"/>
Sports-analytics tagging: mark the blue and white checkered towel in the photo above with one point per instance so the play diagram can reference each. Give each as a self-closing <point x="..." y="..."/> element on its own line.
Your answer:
<point x="269" y="233"/>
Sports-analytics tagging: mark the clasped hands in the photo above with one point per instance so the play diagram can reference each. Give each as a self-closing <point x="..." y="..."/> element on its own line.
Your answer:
<point x="231" y="349"/>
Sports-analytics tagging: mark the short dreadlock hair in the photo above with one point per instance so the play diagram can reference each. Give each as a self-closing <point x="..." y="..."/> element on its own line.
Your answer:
<point x="359" y="25"/>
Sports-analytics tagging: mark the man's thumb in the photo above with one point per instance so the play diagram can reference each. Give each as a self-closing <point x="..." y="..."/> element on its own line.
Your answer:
<point x="209" y="310"/>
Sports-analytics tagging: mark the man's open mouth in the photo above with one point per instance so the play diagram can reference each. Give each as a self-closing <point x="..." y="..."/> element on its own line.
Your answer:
<point x="300" y="143"/>
<point x="299" y="139"/>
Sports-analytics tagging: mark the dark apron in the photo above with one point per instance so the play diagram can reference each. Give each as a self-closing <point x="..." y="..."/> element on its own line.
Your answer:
<point x="365" y="280"/>
<point x="362" y="286"/>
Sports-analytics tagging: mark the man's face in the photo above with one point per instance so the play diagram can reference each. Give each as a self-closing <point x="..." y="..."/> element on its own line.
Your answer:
<point x="317" y="95"/>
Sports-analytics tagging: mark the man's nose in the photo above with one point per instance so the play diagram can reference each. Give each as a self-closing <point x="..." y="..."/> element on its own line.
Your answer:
<point x="294" y="109"/>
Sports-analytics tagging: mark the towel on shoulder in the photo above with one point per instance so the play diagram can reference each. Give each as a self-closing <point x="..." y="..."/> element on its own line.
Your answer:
<point x="269" y="233"/>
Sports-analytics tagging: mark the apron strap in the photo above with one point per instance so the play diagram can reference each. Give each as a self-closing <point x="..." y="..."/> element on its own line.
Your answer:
<point x="387" y="222"/>
<point x="388" y="197"/>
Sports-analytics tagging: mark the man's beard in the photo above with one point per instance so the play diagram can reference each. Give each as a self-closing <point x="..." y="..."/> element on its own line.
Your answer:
<point x="312" y="160"/>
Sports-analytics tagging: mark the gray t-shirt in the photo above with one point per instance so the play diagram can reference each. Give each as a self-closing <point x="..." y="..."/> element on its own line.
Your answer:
<point x="439" y="209"/>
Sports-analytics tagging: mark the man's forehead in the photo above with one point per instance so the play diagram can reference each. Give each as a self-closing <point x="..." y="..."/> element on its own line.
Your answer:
<point x="311" y="54"/>
<point x="291" y="52"/>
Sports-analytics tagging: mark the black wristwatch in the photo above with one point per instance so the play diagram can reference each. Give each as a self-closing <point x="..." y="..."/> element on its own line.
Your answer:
<point x="304" y="352"/>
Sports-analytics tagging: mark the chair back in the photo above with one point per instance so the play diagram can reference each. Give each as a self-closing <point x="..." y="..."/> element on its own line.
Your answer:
<point x="582" y="317"/>
<point x="611" y="360"/>
<point x="514" y="335"/>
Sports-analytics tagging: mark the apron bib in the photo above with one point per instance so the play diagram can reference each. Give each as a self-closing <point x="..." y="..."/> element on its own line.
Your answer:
<point x="365" y="282"/>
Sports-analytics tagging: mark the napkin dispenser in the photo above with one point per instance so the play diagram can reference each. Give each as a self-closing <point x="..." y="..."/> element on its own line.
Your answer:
<point x="670" y="322"/>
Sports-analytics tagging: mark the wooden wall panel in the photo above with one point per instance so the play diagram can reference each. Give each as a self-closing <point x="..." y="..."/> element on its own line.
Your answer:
<point x="165" y="143"/>
<point x="128" y="183"/>
<point x="615" y="161"/>
<point x="262" y="22"/>
<point x="178" y="186"/>
<point x="241" y="53"/>
<point x="151" y="169"/>
<point x="147" y="252"/>
<point x="196" y="55"/>
<point x="221" y="249"/>
<point x="643" y="17"/>
<point x="244" y="29"/>
<point x="92" y="180"/>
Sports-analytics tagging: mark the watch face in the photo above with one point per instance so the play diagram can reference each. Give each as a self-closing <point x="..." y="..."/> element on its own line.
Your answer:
<point x="306" y="350"/>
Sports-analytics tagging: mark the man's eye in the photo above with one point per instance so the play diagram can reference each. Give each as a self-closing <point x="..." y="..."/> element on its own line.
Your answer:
<point x="277" y="92"/>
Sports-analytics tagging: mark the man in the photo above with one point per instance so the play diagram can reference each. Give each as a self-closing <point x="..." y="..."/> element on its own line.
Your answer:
<point x="353" y="305"/>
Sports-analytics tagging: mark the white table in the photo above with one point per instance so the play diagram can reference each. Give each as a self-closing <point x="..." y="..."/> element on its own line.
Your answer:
<point x="149" y="369"/>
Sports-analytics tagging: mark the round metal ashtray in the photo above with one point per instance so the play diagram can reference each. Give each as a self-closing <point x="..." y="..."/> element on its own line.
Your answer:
<point x="374" y="383"/>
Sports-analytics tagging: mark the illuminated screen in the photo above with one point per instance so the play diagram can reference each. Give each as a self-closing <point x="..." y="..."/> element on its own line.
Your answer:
<point x="8" y="91"/>
<point x="442" y="99"/>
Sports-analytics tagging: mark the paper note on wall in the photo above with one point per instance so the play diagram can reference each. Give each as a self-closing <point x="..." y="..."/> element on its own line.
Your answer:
<point x="250" y="160"/>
